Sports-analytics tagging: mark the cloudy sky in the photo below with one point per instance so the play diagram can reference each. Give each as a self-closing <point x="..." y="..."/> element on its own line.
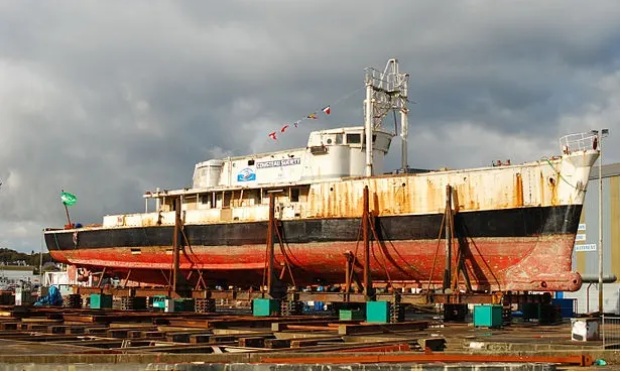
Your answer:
<point x="107" y="99"/>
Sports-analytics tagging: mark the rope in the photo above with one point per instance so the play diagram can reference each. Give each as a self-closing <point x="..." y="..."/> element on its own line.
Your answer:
<point x="313" y="115"/>
<point x="56" y="240"/>
<point x="285" y="257"/>
<point x="265" y="268"/>
<point x="183" y="247"/>
<point x="346" y="96"/>
<point x="356" y="250"/>
<point x="438" y="245"/>
<point x="413" y="268"/>
<point x="558" y="173"/>
<point x="168" y="279"/>
<point x="485" y="263"/>
<point x="384" y="258"/>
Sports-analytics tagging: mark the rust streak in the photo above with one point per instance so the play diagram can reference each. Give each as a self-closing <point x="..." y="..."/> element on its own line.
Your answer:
<point x="553" y="182"/>
<point x="518" y="191"/>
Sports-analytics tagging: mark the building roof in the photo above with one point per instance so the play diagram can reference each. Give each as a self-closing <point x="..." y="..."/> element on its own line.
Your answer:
<point x="17" y="268"/>
<point x="609" y="170"/>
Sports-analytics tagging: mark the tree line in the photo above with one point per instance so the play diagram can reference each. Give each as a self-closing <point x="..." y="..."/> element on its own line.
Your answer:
<point x="11" y="257"/>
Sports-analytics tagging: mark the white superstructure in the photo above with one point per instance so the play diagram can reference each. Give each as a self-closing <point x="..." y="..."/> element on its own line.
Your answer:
<point x="330" y="154"/>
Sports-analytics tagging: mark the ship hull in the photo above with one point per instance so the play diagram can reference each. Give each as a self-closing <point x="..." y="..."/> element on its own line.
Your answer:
<point x="516" y="249"/>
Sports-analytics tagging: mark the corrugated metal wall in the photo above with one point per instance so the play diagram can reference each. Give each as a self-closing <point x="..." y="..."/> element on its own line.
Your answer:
<point x="586" y="262"/>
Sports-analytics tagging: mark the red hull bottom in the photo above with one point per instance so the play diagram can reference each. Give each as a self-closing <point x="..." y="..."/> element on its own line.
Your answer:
<point x="493" y="264"/>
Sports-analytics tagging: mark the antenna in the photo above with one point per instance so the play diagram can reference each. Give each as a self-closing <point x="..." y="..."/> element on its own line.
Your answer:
<point x="385" y="91"/>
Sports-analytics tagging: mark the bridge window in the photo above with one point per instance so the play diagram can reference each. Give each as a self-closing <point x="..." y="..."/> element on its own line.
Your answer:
<point x="373" y="140"/>
<point x="205" y="199"/>
<point x="294" y="195"/>
<point x="353" y="138"/>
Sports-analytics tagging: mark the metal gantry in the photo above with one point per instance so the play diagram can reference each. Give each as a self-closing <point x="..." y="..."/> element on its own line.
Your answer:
<point x="385" y="91"/>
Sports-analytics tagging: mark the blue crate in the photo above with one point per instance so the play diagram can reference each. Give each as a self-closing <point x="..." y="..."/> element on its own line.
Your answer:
<point x="566" y="306"/>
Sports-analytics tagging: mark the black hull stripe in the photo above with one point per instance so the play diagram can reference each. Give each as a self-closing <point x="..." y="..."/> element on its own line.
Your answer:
<point x="519" y="222"/>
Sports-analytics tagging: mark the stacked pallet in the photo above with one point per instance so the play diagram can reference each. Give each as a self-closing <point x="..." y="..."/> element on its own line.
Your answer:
<point x="291" y="308"/>
<point x="7" y="298"/>
<point x="131" y="303"/>
<point x="74" y="301"/>
<point x="204" y="305"/>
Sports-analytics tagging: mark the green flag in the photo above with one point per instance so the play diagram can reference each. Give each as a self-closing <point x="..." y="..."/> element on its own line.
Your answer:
<point x="67" y="198"/>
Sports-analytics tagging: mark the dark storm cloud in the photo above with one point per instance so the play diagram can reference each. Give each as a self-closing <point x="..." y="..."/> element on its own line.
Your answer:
<point x="109" y="99"/>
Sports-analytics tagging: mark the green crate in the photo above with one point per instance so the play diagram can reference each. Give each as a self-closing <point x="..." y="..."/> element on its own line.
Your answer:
<point x="351" y="315"/>
<point x="266" y="307"/>
<point x="488" y="316"/>
<point x="100" y="301"/>
<point x="378" y="312"/>
<point x="159" y="302"/>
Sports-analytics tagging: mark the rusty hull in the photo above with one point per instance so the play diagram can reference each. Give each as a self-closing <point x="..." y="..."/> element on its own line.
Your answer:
<point x="497" y="264"/>
<point x="528" y="262"/>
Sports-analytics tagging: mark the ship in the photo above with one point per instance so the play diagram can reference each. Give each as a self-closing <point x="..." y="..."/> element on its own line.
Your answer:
<point x="513" y="226"/>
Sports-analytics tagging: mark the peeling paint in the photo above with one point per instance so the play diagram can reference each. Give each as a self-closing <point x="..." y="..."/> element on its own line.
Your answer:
<point x="494" y="262"/>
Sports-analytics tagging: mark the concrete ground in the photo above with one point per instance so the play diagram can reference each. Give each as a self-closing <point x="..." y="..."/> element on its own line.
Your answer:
<point x="524" y="339"/>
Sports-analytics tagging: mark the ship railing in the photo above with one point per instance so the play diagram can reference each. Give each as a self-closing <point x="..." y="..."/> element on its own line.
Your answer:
<point x="384" y="81"/>
<point x="578" y="142"/>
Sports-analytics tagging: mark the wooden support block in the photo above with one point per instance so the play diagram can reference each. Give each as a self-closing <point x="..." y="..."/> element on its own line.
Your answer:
<point x="217" y="339"/>
<point x="40" y="320"/>
<point x="432" y="344"/>
<point x="81" y="318"/>
<point x="191" y="323"/>
<point x="135" y="335"/>
<point x="277" y="344"/>
<point x="154" y="335"/>
<point x="200" y="338"/>
<point x="57" y="329"/>
<point x="117" y="333"/>
<point x="178" y="337"/>
<point x="252" y="342"/>
<point x="33" y="327"/>
<point x="302" y="342"/>
<point x="9" y="326"/>
<point x="234" y="337"/>
<point x="96" y="331"/>
<point x="322" y="324"/>
<point x="75" y="330"/>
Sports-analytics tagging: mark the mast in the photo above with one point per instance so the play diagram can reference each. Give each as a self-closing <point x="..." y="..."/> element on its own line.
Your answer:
<point x="369" y="129"/>
<point x="385" y="91"/>
<point x="404" y="126"/>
